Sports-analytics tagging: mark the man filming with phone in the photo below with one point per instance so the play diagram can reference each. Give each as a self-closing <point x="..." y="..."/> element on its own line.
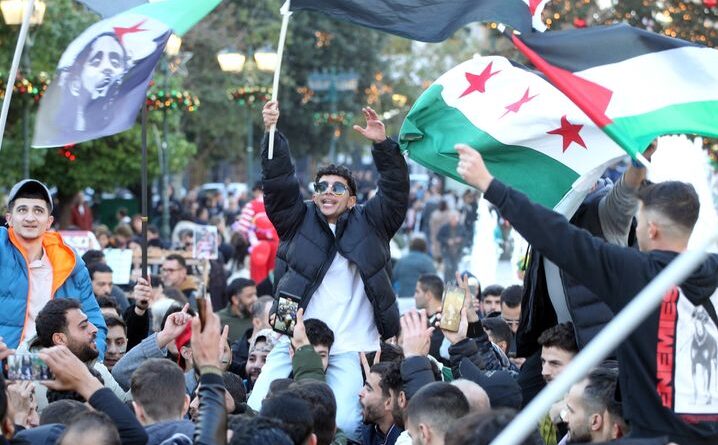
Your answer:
<point x="334" y="256"/>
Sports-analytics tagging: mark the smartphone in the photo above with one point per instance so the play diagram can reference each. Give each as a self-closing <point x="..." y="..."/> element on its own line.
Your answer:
<point x="451" y="307"/>
<point x="28" y="366"/>
<point x="285" y="316"/>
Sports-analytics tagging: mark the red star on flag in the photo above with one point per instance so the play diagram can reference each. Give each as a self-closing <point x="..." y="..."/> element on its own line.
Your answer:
<point x="120" y="31"/>
<point x="516" y="106"/>
<point x="569" y="132"/>
<point x="478" y="82"/>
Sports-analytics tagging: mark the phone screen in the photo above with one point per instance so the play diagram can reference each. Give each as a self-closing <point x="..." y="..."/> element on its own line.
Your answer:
<point x="27" y="367"/>
<point x="286" y="315"/>
<point x="451" y="308"/>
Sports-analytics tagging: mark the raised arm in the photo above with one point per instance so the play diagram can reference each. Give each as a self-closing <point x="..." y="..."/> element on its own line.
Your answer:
<point x="282" y="198"/>
<point x="387" y="209"/>
<point x="608" y="270"/>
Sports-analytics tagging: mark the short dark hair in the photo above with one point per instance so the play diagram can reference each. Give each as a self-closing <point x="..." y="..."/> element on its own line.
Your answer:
<point x="677" y="201"/>
<point x="112" y="321"/>
<point x="158" y="385"/>
<point x="561" y="336"/>
<point x="319" y="333"/>
<point x="500" y="330"/>
<point x="93" y="422"/>
<point x="483" y="428"/>
<point x="234" y="386"/>
<point x="177" y="257"/>
<point x="237" y="285"/>
<point x="105" y="302"/>
<point x="53" y="319"/>
<point x="511" y="296"/>
<point x="494" y="289"/>
<point x="98" y="267"/>
<point x="278" y="386"/>
<point x="293" y="412"/>
<point x="323" y="406"/>
<point x="389" y="353"/>
<point x="433" y="283"/>
<point x="338" y="170"/>
<point x="600" y="391"/>
<point x="389" y="377"/>
<point x="259" y="431"/>
<point x="62" y="411"/>
<point x="437" y="404"/>
<point x="93" y="256"/>
<point x="29" y="195"/>
<point x="417" y="244"/>
<point x="260" y="306"/>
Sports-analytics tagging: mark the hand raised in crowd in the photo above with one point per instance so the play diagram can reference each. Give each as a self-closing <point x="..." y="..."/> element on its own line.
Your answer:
<point x="270" y="114"/>
<point x="634" y="176"/>
<point x="70" y="373"/>
<point x="455" y="337"/>
<point x="299" y="337"/>
<point x="207" y="344"/>
<point x="471" y="167"/>
<point x="471" y="315"/>
<point x="415" y="335"/>
<point x="174" y="326"/>
<point x="365" y="361"/>
<point x="142" y="293"/>
<point x="20" y="397"/>
<point x="374" y="130"/>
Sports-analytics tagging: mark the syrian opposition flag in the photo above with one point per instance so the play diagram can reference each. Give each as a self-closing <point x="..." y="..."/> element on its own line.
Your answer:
<point x="536" y="8"/>
<point x="423" y="20"/>
<point x="530" y="135"/>
<point x="108" y="8"/>
<point x="636" y="85"/>
<point x="102" y="78"/>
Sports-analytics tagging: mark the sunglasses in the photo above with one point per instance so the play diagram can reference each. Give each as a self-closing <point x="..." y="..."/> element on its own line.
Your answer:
<point x="336" y="188"/>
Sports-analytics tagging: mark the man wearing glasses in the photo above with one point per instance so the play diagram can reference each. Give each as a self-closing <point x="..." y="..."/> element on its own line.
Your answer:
<point x="334" y="255"/>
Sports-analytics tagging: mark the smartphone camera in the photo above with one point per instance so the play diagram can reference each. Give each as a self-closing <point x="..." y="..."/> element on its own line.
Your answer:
<point x="27" y="367"/>
<point x="285" y="317"/>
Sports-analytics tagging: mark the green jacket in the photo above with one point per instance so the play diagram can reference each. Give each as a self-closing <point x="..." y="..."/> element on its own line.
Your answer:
<point x="238" y="324"/>
<point x="306" y="364"/>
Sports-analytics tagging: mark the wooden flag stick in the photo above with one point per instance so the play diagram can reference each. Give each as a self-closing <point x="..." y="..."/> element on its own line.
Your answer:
<point x="145" y="272"/>
<point x="280" y="52"/>
<point x="21" y="38"/>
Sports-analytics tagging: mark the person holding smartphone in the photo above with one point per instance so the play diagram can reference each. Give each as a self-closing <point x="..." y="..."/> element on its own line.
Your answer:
<point x="334" y="256"/>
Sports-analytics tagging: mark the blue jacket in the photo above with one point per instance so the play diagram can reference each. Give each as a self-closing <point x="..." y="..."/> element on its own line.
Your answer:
<point x="70" y="280"/>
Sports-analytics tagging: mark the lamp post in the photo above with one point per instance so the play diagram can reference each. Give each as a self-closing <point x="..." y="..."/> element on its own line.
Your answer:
<point x="333" y="83"/>
<point x="232" y="61"/>
<point x="172" y="49"/>
<point x="12" y="12"/>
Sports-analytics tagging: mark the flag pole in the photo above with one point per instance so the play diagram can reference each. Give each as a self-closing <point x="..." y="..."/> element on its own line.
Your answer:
<point x="21" y="39"/>
<point x="144" y="271"/>
<point x="280" y="52"/>
<point x="610" y="337"/>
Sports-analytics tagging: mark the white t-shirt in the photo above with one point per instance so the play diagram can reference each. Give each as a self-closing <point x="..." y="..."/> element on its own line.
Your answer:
<point x="40" y="290"/>
<point x="341" y="303"/>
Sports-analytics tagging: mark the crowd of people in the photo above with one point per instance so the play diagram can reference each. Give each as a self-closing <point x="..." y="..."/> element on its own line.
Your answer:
<point x="184" y="357"/>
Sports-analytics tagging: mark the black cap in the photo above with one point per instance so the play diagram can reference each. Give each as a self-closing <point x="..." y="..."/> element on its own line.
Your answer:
<point x="500" y="386"/>
<point x="30" y="186"/>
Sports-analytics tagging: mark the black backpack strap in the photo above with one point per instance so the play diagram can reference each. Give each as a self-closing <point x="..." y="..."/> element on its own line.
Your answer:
<point x="708" y="305"/>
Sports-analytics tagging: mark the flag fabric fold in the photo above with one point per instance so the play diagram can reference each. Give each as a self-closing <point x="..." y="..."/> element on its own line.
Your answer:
<point x="108" y="8"/>
<point x="422" y="20"/>
<point x="531" y="136"/>
<point x="636" y="85"/>
<point x="102" y="77"/>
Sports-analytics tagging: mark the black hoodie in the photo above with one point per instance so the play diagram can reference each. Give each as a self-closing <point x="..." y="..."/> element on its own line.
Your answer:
<point x="656" y="377"/>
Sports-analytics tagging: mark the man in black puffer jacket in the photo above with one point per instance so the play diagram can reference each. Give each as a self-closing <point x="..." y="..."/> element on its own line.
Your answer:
<point x="334" y="255"/>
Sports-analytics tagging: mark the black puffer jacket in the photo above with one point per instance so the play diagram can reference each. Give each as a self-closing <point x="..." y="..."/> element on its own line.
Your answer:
<point x="307" y="244"/>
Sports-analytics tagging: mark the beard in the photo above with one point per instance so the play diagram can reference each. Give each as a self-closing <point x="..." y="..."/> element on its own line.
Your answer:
<point x="84" y="351"/>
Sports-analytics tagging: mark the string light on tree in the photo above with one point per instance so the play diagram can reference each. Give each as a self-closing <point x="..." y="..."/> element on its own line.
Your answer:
<point x="172" y="100"/>
<point x="34" y="86"/>
<point x="339" y="118"/>
<point x="250" y="94"/>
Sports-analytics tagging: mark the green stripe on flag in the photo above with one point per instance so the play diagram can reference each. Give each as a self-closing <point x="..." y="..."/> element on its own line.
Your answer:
<point x="179" y="15"/>
<point x="432" y="128"/>
<point x="687" y="118"/>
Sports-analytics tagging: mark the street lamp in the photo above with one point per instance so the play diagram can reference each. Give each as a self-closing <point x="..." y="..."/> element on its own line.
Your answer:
<point x="172" y="49"/>
<point x="12" y="12"/>
<point x="333" y="83"/>
<point x="233" y="61"/>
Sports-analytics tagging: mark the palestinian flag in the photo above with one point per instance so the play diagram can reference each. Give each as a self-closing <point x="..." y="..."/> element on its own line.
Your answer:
<point x="423" y="20"/>
<point x="636" y="85"/>
<point x="102" y="78"/>
<point x="531" y="136"/>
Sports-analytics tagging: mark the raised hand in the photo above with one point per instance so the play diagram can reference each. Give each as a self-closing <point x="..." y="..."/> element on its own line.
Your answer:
<point x="270" y="114"/>
<point x="415" y="333"/>
<point x="455" y="337"/>
<point x="206" y="349"/>
<point x="174" y="326"/>
<point x="70" y="373"/>
<point x="142" y="293"/>
<point x="471" y="167"/>
<point x="299" y="337"/>
<point x="374" y="130"/>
